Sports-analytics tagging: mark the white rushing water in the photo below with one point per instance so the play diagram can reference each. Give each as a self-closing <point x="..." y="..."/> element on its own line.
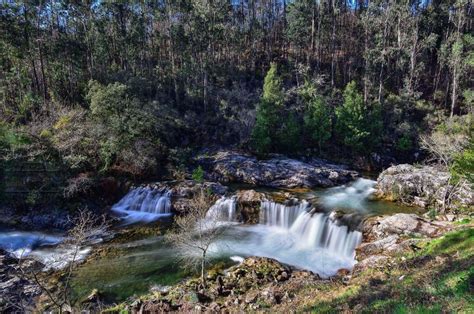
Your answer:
<point x="144" y="205"/>
<point x="21" y="243"/>
<point x="47" y="249"/>
<point x="292" y="235"/>
<point x="225" y="209"/>
<point x="279" y="215"/>
<point x="353" y="196"/>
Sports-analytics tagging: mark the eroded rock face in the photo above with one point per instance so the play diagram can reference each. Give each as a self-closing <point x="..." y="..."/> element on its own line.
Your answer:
<point x="279" y="171"/>
<point x="424" y="186"/>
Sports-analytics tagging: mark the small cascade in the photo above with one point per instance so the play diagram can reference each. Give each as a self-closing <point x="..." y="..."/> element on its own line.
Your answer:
<point x="319" y="231"/>
<point x="353" y="196"/>
<point x="279" y="215"/>
<point x="144" y="205"/>
<point x="225" y="209"/>
<point x="313" y="230"/>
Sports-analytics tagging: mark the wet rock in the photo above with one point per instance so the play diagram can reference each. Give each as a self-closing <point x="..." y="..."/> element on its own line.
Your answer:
<point x="421" y="186"/>
<point x="248" y="202"/>
<point x="278" y="171"/>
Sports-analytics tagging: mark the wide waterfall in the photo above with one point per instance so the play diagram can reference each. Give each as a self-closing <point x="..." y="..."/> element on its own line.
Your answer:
<point x="292" y="235"/>
<point x="319" y="230"/>
<point x="225" y="209"/>
<point x="314" y="230"/>
<point x="275" y="214"/>
<point x="144" y="205"/>
<point x="353" y="196"/>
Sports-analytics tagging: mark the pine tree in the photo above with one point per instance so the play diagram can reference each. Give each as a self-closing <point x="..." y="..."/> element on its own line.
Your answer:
<point x="357" y="124"/>
<point x="264" y="137"/>
<point x="317" y="117"/>
<point x="290" y="135"/>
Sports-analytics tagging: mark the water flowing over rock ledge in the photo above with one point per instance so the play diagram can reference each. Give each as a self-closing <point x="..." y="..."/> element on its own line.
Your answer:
<point x="279" y="171"/>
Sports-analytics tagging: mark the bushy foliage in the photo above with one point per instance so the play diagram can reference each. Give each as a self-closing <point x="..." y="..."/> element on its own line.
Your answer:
<point x="124" y="126"/>
<point x="448" y="139"/>
<point x="198" y="174"/>
<point x="358" y="125"/>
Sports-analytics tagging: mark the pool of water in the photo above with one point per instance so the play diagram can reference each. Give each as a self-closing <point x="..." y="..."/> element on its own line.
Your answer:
<point x="129" y="268"/>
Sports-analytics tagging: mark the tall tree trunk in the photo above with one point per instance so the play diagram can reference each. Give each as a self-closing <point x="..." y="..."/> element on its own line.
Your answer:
<point x="313" y="30"/>
<point x="384" y="40"/>
<point x="333" y="43"/>
<point x="171" y="54"/>
<point x="454" y="91"/>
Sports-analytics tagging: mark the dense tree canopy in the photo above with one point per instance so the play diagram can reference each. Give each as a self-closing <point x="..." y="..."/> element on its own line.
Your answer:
<point x="133" y="80"/>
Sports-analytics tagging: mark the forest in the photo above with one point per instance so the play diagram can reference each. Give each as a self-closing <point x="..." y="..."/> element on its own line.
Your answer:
<point x="101" y="98"/>
<point x="104" y="86"/>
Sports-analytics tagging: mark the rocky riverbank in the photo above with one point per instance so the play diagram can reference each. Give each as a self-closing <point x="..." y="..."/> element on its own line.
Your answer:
<point x="424" y="187"/>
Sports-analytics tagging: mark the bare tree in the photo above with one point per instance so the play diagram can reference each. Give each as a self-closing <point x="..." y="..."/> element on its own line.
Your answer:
<point x="195" y="232"/>
<point x="443" y="147"/>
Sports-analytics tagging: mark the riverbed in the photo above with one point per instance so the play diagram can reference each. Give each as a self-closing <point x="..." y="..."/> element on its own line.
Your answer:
<point x="294" y="235"/>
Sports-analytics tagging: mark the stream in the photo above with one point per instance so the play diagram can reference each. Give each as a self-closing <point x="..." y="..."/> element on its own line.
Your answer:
<point x="294" y="235"/>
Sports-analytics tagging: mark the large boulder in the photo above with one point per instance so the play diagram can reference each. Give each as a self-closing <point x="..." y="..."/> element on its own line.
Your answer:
<point x="278" y="171"/>
<point x="387" y="236"/>
<point x="249" y="202"/>
<point x="401" y="225"/>
<point x="422" y="186"/>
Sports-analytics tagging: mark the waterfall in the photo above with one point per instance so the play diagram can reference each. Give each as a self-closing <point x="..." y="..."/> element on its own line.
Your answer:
<point x="279" y="215"/>
<point x="144" y="205"/>
<point x="313" y="230"/>
<point x="352" y="196"/>
<point x="319" y="230"/>
<point x="225" y="209"/>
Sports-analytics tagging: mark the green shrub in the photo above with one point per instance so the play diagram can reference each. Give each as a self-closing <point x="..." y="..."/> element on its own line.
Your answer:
<point x="125" y="128"/>
<point x="198" y="174"/>
<point x="289" y="138"/>
<point x="463" y="165"/>
<point x="404" y="143"/>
